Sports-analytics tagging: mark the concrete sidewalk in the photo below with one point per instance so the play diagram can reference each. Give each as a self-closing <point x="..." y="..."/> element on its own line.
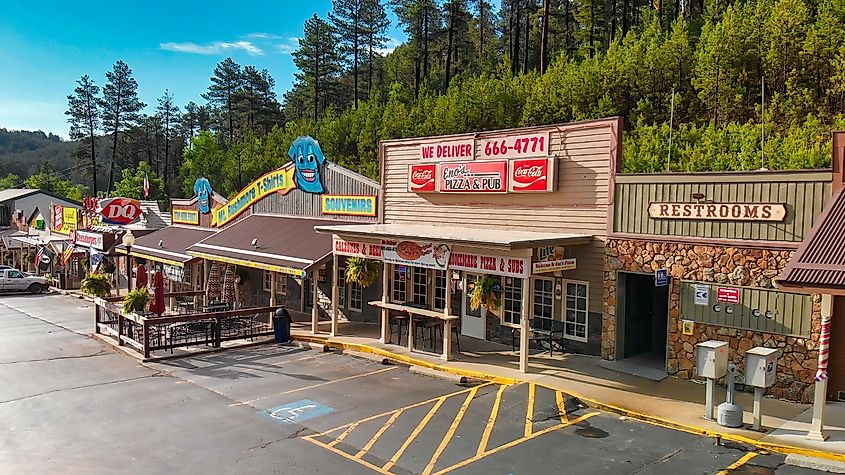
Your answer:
<point x="671" y="402"/>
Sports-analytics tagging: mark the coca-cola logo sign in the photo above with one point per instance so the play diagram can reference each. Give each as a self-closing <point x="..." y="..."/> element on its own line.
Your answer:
<point x="532" y="174"/>
<point x="422" y="178"/>
<point x="119" y="210"/>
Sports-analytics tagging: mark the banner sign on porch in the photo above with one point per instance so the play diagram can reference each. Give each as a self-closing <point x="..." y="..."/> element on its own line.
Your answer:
<point x="556" y="265"/>
<point x="343" y="247"/>
<point x="462" y="149"/>
<point x="519" y="267"/>
<point x="91" y="240"/>
<point x="515" y="146"/>
<point x="348" y="205"/>
<point x="174" y="273"/>
<point x="185" y="216"/>
<point x="473" y="177"/>
<point x="418" y="254"/>
<point x="532" y="175"/>
<point x="719" y="211"/>
<point x="277" y="181"/>
<point x="421" y="178"/>
<point x="727" y="295"/>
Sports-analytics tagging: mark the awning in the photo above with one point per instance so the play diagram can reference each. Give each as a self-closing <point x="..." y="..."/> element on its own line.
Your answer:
<point x="819" y="263"/>
<point x="168" y="245"/>
<point x="485" y="237"/>
<point x="275" y="243"/>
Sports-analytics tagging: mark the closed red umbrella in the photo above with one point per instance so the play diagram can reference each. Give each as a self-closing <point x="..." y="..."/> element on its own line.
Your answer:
<point x="157" y="305"/>
<point x="141" y="279"/>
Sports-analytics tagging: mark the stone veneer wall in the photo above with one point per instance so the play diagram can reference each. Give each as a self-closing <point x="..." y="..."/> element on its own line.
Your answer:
<point x="714" y="264"/>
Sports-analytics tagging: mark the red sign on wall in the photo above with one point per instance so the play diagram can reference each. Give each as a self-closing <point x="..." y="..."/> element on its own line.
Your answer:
<point x="515" y="146"/>
<point x="532" y="174"/>
<point x="461" y="149"/>
<point x="489" y="176"/>
<point x="421" y="178"/>
<point x="119" y="210"/>
<point x="727" y="295"/>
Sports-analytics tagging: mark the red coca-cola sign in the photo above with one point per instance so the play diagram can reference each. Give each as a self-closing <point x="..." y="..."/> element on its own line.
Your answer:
<point x="421" y="178"/>
<point x="532" y="174"/>
<point x="119" y="210"/>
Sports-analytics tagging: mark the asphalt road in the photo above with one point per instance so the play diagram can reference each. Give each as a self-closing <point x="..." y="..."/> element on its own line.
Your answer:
<point x="68" y="404"/>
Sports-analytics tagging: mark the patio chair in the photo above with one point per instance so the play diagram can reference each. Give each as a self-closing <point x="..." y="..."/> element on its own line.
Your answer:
<point x="544" y="332"/>
<point x="398" y="321"/>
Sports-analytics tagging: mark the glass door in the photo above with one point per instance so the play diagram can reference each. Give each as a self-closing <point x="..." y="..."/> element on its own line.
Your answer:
<point x="473" y="322"/>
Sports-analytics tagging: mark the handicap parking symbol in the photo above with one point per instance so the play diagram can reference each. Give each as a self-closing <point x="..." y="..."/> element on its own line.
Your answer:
<point x="296" y="412"/>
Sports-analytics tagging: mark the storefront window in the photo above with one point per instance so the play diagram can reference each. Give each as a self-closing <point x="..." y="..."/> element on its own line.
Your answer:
<point x="281" y="284"/>
<point x="575" y="323"/>
<point x="268" y="279"/>
<point x="512" y="308"/>
<point x="420" y="286"/>
<point x="399" y="293"/>
<point x="439" y="289"/>
<point x="341" y="287"/>
<point x="356" y="296"/>
<point x="543" y="303"/>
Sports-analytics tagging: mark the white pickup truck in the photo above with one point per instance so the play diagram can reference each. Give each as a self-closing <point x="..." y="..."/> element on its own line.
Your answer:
<point x="13" y="280"/>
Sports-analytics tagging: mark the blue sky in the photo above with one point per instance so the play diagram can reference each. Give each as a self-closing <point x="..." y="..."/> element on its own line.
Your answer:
<point x="46" y="46"/>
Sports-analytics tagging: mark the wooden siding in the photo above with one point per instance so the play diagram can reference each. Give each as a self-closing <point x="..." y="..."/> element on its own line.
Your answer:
<point x="804" y="193"/>
<point x="792" y="312"/>
<point x="586" y="154"/>
<point x="336" y="181"/>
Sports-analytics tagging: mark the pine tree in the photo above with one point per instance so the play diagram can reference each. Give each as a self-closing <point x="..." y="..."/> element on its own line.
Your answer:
<point x="374" y="23"/>
<point x="120" y="108"/>
<point x="190" y="120"/>
<point x="84" y="112"/>
<point x="318" y="62"/>
<point x="346" y="17"/>
<point x="257" y="101"/>
<point x="226" y="81"/>
<point x="421" y="21"/>
<point x="168" y="113"/>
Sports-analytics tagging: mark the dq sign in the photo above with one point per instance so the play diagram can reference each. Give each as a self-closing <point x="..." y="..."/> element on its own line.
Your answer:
<point x="119" y="210"/>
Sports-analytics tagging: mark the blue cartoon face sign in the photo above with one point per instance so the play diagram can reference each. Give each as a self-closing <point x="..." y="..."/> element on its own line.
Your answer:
<point x="202" y="188"/>
<point x="307" y="158"/>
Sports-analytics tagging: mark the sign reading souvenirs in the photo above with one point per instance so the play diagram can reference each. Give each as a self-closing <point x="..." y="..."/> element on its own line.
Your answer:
<point x="202" y="188"/>
<point x="555" y="265"/>
<point x="418" y="254"/>
<point x="348" y="205"/>
<point x="65" y="220"/>
<point x="473" y="177"/>
<point x="119" y="210"/>
<point x="185" y="216"/>
<point x="532" y="174"/>
<point x="358" y="249"/>
<point x="421" y="178"/>
<point x="519" y="267"/>
<point x="86" y="239"/>
<point x="448" y="150"/>
<point x="517" y="146"/>
<point x="719" y="211"/>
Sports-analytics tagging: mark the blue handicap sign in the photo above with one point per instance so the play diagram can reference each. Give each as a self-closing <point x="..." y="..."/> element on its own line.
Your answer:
<point x="296" y="412"/>
<point x="661" y="277"/>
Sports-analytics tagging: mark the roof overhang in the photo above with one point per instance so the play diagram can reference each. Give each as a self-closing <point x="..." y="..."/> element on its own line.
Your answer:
<point x="503" y="239"/>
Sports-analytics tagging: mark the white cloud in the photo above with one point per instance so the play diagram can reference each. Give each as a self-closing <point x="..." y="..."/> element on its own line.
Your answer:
<point x="391" y="45"/>
<point x="216" y="47"/>
<point x="289" y="47"/>
<point x="263" y="36"/>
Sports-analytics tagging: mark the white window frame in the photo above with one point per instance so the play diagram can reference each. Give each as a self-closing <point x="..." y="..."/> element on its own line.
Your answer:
<point x="281" y="284"/>
<point x="355" y="287"/>
<point x="341" y="287"/>
<point x="506" y="288"/>
<point x="415" y="272"/>
<point x="534" y="298"/>
<point x="267" y="280"/>
<point x="394" y="278"/>
<point x="445" y="288"/>
<point x="586" y="310"/>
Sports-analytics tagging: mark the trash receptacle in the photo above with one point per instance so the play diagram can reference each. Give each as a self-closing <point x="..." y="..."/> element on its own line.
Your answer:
<point x="281" y="325"/>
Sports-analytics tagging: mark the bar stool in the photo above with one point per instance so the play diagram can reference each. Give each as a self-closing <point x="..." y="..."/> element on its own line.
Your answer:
<point x="398" y="321"/>
<point x="431" y="325"/>
<point x="455" y="331"/>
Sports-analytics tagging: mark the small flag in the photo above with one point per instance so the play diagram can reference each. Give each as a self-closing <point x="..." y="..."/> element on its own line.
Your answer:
<point x="146" y="185"/>
<point x="38" y="255"/>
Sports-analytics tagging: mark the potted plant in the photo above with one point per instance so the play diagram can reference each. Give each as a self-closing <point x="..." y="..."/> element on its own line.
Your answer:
<point x="362" y="271"/>
<point x="98" y="285"/>
<point x="136" y="301"/>
<point x="107" y="267"/>
<point x="29" y="258"/>
<point x="486" y="291"/>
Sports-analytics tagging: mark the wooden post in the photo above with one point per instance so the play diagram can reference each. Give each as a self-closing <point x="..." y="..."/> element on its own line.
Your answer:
<point x="272" y="296"/>
<point x="334" y="295"/>
<point x="447" y="322"/>
<point x="817" y="431"/>
<point x="206" y="267"/>
<point x="385" y="282"/>
<point x="96" y="318"/>
<point x="524" y="328"/>
<point x="146" y="336"/>
<point x="315" y="312"/>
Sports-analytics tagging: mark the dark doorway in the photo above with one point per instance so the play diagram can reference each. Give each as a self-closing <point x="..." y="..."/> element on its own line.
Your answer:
<point x="836" y="360"/>
<point x="645" y="315"/>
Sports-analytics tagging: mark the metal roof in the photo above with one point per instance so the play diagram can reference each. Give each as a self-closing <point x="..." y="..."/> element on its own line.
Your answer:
<point x="17" y="193"/>
<point x="175" y="240"/>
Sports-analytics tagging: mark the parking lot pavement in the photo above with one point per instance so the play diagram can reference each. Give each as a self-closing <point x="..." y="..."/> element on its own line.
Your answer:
<point x="69" y="405"/>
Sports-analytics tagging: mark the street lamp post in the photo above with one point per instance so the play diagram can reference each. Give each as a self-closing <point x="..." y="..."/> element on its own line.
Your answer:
<point x="128" y="241"/>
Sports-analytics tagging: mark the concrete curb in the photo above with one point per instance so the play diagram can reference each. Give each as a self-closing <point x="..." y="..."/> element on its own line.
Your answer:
<point x="659" y="421"/>
<point x="367" y="356"/>
<point x="455" y="378"/>
<point x="815" y="463"/>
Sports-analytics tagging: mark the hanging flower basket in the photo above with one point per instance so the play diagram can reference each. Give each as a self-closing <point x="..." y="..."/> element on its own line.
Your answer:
<point x="98" y="285"/>
<point x="486" y="291"/>
<point x="136" y="301"/>
<point x="362" y="271"/>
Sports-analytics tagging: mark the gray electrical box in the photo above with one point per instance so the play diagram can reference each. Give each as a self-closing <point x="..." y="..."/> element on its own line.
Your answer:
<point x="761" y="367"/>
<point x="712" y="359"/>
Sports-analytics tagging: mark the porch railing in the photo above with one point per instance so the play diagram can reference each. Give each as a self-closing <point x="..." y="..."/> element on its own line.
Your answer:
<point x="148" y="333"/>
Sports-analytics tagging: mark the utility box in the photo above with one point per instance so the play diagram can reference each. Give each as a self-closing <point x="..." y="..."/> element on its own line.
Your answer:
<point x="761" y="367"/>
<point x="712" y="359"/>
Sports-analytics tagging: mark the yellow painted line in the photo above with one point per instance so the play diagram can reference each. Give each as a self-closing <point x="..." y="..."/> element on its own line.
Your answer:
<point x="315" y="386"/>
<point x="390" y="463"/>
<point x="340" y="438"/>
<point x="514" y="443"/>
<point x="529" y="413"/>
<point x="384" y="427"/>
<point x="561" y="406"/>
<point x="451" y="432"/>
<point x="491" y="421"/>
<point x="345" y="455"/>
<point x="739" y="463"/>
